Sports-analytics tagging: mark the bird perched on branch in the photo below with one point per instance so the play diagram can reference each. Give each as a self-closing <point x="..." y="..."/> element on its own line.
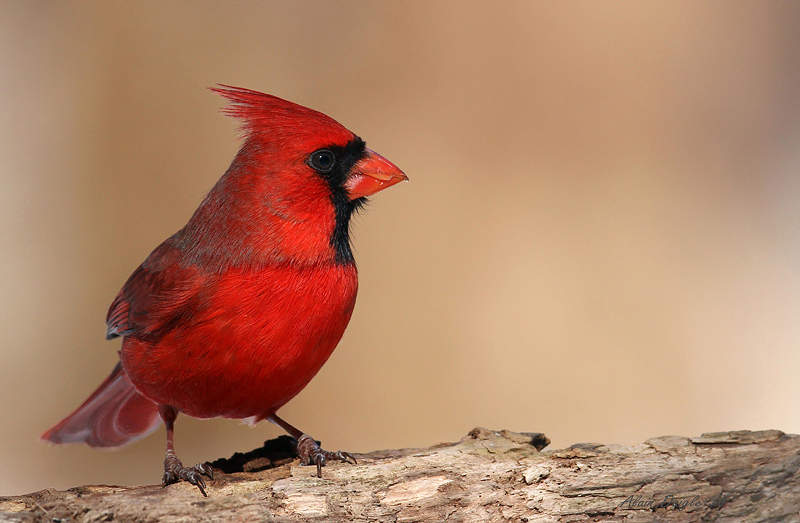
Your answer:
<point x="234" y="314"/>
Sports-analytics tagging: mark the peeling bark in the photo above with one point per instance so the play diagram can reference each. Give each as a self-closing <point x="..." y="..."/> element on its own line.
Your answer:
<point x="488" y="476"/>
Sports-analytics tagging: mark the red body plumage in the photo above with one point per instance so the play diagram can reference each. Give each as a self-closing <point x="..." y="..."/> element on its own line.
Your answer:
<point x="235" y="313"/>
<point x="258" y="339"/>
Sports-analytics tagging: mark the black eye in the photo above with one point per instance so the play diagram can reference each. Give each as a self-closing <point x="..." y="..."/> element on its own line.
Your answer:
<point x="322" y="160"/>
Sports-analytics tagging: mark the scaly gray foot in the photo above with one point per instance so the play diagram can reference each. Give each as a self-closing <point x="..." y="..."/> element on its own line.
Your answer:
<point x="174" y="471"/>
<point x="312" y="454"/>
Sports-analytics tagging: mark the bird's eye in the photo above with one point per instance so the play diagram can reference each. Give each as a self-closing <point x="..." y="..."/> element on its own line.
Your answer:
<point x="322" y="160"/>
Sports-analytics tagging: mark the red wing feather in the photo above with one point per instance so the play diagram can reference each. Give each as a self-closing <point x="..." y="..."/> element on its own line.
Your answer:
<point x="117" y="319"/>
<point x="159" y="292"/>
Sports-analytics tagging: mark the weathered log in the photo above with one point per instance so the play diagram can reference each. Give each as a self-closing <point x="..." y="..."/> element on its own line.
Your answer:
<point x="488" y="476"/>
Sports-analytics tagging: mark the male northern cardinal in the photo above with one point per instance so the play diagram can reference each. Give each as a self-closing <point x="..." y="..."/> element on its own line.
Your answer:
<point x="235" y="313"/>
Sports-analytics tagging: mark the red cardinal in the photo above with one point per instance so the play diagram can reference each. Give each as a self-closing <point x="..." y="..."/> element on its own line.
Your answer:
<point x="235" y="313"/>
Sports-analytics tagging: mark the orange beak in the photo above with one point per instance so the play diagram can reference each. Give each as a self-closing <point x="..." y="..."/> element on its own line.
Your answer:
<point x="371" y="174"/>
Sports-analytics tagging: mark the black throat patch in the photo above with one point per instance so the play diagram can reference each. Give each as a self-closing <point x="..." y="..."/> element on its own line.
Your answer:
<point x="346" y="158"/>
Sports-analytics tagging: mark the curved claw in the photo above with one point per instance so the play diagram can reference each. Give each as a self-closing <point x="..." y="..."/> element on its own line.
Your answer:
<point x="204" y="468"/>
<point x="339" y="456"/>
<point x="319" y="459"/>
<point x="194" y="477"/>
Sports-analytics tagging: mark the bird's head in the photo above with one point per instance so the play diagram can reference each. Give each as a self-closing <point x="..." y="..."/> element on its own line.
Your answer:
<point x="292" y="136"/>
<point x="299" y="166"/>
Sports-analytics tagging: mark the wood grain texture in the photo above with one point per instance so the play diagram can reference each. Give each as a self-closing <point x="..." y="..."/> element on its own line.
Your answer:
<point x="489" y="475"/>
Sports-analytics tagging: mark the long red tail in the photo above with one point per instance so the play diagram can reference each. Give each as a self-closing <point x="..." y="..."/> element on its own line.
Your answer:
<point x="115" y="414"/>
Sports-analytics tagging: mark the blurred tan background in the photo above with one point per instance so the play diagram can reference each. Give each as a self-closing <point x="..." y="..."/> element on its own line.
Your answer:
<point x="600" y="239"/>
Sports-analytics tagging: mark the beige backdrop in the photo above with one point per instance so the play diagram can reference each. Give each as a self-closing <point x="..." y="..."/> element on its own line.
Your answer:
<point x="600" y="239"/>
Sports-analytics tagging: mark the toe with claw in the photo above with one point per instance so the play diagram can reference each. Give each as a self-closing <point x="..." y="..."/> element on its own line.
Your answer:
<point x="174" y="471"/>
<point x="311" y="453"/>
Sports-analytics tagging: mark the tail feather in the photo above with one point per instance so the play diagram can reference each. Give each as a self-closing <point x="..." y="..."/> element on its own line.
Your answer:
<point x="114" y="415"/>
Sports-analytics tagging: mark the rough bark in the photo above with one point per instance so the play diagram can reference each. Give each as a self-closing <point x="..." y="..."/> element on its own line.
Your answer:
<point x="487" y="476"/>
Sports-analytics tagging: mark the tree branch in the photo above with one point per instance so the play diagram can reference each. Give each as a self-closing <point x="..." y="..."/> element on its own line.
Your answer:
<point x="487" y="476"/>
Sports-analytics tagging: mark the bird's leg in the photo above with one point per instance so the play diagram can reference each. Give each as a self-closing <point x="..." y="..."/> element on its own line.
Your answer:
<point x="174" y="470"/>
<point x="308" y="449"/>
